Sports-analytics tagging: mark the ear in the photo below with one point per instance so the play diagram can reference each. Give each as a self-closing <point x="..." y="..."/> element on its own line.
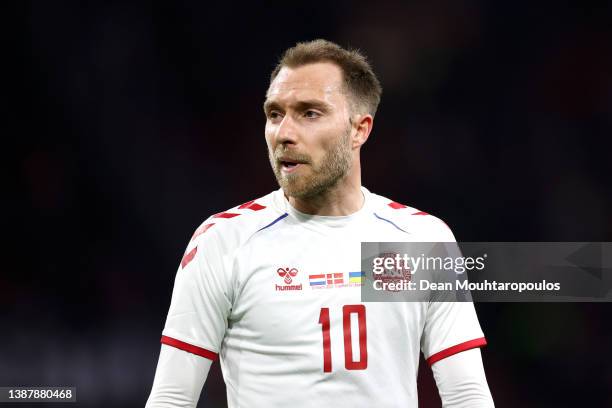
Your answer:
<point x="362" y="127"/>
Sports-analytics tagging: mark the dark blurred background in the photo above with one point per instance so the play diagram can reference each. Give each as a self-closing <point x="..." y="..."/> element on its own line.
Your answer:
<point x="135" y="121"/>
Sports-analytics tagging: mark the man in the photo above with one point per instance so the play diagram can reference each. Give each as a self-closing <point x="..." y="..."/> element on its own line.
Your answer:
<point x="245" y="289"/>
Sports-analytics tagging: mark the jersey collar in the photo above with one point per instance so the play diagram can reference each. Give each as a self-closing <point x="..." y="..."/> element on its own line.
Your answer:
<point x="281" y="202"/>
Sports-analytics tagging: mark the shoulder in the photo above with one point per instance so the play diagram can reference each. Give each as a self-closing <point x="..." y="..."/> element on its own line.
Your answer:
<point x="411" y="219"/>
<point x="234" y="226"/>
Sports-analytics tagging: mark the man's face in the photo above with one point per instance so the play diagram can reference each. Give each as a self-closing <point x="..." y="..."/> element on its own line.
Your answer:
<point x="308" y="130"/>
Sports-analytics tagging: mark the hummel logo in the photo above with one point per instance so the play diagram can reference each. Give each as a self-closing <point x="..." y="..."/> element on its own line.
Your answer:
<point x="287" y="273"/>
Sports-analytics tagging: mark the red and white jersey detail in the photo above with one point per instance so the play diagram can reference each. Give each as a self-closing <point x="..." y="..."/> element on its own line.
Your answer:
<point x="249" y="289"/>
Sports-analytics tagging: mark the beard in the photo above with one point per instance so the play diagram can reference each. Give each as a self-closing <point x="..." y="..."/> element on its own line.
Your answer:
<point x="333" y="167"/>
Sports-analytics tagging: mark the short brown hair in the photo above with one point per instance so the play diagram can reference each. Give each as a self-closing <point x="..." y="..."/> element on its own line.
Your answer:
<point x="359" y="78"/>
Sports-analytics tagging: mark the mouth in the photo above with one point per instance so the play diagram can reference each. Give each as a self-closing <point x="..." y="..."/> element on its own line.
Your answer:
<point x="289" y="165"/>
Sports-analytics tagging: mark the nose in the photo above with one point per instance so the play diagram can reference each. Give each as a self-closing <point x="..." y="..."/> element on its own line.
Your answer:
<point x="286" y="131"/>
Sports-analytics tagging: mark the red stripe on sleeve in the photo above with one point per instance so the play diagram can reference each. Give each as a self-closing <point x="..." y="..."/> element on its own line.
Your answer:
<point x="188" y="257"/>
<point x="396" y="206"/>
<point x="456" y="349"/>
<point x="246" y="205"/>
<point x="420" y="213"/>
<point x="256" y="207"/>
<point x="202" y="229"/>
<point x="252" y="205"/>
<point x="225" y="215"/>
<point x="190" y="348"/>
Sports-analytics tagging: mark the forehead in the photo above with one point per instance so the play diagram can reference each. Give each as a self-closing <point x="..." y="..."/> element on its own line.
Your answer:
<point x="319" y="80"/>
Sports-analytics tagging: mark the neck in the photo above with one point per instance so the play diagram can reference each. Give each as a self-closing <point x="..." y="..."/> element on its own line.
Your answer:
<point x="344" y="198"/>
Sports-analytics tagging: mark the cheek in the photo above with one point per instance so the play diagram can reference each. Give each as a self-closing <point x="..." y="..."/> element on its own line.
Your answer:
<point x="269" y="136"/>
<point x="329" y="137"/>
<point x="319" y="149"/>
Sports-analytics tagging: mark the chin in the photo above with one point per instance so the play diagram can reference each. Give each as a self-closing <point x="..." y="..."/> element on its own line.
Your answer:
<point x="293" y="191"/>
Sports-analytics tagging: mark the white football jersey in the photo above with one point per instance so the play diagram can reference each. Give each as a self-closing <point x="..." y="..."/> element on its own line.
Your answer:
<point x="275" y="294"/>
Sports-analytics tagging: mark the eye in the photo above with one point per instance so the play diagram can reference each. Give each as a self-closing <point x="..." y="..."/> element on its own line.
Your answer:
<point x="311" y="114"/>
<point x="274" y="115"/>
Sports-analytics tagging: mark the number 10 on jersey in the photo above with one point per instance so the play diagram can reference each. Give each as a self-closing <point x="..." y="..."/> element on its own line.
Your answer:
<point x="349" y="362"/>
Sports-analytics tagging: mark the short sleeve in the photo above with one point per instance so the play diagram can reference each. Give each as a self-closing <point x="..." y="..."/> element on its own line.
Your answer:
<point x="200" y="306"/>
<point x="450" y="328"/>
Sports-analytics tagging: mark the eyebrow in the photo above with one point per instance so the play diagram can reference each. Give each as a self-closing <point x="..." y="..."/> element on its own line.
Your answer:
<point x="300" y="105"/>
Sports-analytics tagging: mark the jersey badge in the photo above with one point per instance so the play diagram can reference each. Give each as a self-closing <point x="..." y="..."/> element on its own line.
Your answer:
<point x="287" y="274"/>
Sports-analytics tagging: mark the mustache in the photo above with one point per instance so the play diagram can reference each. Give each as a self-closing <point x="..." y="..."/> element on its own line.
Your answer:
<point x="283" y="154"/>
